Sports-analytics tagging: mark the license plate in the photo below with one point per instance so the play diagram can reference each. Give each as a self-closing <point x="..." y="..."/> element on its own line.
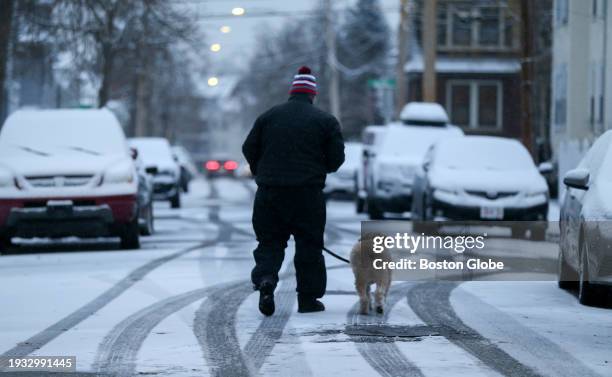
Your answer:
<point x="59" y="203"/>
<point x="59" y="208"/>
<point x="492" y="213"/>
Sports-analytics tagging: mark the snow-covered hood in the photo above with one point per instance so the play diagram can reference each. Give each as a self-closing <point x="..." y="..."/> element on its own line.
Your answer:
<point x="488" y="180"/>
<point x="27" y="164"/>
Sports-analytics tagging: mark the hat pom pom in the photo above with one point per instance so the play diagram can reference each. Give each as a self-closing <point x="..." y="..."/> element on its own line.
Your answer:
<point x="304" y="70"/>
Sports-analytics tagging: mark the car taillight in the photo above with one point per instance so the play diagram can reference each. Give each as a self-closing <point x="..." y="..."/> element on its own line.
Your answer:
<point x="230" y="165"/>
<point x="212" y="165"/>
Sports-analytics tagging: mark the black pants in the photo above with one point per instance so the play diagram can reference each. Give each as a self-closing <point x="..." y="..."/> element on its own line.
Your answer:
<point x="278" y="213"/>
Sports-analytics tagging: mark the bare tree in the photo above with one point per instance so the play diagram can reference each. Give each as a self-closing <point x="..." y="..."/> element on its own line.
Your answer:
<point x="6" y="18"/>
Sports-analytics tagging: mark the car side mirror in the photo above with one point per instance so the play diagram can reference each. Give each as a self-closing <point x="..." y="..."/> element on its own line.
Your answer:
<point x="151" y="170"/>
<point x="546" y="167"/>
<point x="134" y="153"/>
<point x="577" y="178"/>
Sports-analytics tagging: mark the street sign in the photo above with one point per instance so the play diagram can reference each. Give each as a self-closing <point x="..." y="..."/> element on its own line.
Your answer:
<point x="381" y="83"/>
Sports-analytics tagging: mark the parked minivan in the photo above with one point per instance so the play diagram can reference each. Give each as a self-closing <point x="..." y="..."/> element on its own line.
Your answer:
<point x="393" y="164"/>
<point x="67" y="173"/>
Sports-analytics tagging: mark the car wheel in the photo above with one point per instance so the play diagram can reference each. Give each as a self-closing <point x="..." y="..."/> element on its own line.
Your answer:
<point x="175" y="201"/>
<point x="373" y="211"/>
<point x="588" y="294"/>
<point x="517" y="230"/>
<point x="130" y="238"/>
<point x="568" y="278"/>
<point x="147" y="230"/>
<point x="538" y="232"/>
<point x="5" y="243"/>
<point x="359" y="204"/>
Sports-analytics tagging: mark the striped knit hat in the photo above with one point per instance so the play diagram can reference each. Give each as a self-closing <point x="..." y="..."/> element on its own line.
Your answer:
<point x="304" y="82"/>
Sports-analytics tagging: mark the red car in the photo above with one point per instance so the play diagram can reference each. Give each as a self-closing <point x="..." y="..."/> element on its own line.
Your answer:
<point x="67" y="173"/>
<point x="220" y="167"/>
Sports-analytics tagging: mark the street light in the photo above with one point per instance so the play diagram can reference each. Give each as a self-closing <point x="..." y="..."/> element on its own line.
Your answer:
<point x="225" y="29"/>
<point x="238" y="11"/>
<point x="213" y="81"/>
<point x="215" y="47"/>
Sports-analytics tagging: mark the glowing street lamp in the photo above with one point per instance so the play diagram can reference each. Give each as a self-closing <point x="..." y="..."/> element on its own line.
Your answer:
<point x="225" y="29"/>
<point x="238" y="11"/>
<point x="215" y="47"/>
<point x="213" y="81"/>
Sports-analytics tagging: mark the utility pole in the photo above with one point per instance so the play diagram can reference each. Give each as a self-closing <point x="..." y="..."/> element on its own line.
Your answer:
<point x="430" y="41"/>
<point x="526" y="75"/>
<point x="330" y="37"/>
<point x="402" y="47"/>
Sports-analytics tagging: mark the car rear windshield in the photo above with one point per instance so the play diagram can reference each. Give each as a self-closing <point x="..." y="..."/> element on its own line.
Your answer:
<point x="489" y="154"/>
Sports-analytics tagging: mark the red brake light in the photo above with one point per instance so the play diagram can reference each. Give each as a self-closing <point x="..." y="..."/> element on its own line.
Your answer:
<point x="230" y="165"/>
<point x="212" y="165"/>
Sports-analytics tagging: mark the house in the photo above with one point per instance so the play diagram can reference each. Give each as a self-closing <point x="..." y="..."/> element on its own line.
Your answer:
<point x="478" y="64"/>
<point x="581" y="82"/>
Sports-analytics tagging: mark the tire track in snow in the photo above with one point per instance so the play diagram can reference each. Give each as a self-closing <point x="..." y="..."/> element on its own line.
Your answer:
<point x="215" y="328"/>
<point x="431" y="301"/>
<point x="45" y="336"/>
<point x="117" y="353"/>
<point x="384" y="355"/>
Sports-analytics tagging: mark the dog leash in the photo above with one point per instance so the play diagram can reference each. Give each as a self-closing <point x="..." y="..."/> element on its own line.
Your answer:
<point x="336" y="255"/>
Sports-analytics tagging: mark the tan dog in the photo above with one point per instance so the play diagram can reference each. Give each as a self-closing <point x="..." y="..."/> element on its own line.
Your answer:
<point x="362" y="258"/>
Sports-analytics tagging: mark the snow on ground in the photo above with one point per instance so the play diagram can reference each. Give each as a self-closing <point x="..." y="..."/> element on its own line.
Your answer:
<point x="164" y="320"/>
<point x="538" y="323"/>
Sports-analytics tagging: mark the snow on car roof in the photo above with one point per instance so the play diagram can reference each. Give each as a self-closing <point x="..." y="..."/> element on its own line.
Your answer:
<point x="482" y="152"/>
<point x="95" y="131"/>
<point x="152" y="147"/>
<point x="424" y="112"/>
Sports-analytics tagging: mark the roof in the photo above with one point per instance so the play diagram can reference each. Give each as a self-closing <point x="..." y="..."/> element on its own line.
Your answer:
<point x="466" y="65"/>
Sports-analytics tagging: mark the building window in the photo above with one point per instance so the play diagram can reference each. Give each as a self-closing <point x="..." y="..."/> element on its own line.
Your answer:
<point x="463" y="24"/>
<point x="489" y="32"/>
<point x="561" y="11"/>
<point x="475" y="104"/>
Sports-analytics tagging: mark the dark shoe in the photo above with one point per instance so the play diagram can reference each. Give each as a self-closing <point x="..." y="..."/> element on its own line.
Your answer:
<point x="309" y="305"/>
<point x="266" y="299"/>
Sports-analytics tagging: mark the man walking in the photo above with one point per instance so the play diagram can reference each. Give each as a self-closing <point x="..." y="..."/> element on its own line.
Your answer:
<point x="290" y="149"/>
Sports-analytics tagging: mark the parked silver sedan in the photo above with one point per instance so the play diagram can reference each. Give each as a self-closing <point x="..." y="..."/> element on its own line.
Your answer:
<point x="585" y="253"/>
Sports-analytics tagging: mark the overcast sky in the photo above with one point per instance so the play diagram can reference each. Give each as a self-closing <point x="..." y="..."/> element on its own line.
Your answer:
<point x="237" y="46"/>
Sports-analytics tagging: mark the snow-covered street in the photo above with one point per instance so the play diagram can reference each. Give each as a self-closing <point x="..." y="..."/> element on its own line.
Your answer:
<point x="183" y="305"/>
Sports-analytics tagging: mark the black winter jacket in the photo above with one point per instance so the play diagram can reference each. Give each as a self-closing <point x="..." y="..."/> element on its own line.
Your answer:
<point x="294" y="144"/>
